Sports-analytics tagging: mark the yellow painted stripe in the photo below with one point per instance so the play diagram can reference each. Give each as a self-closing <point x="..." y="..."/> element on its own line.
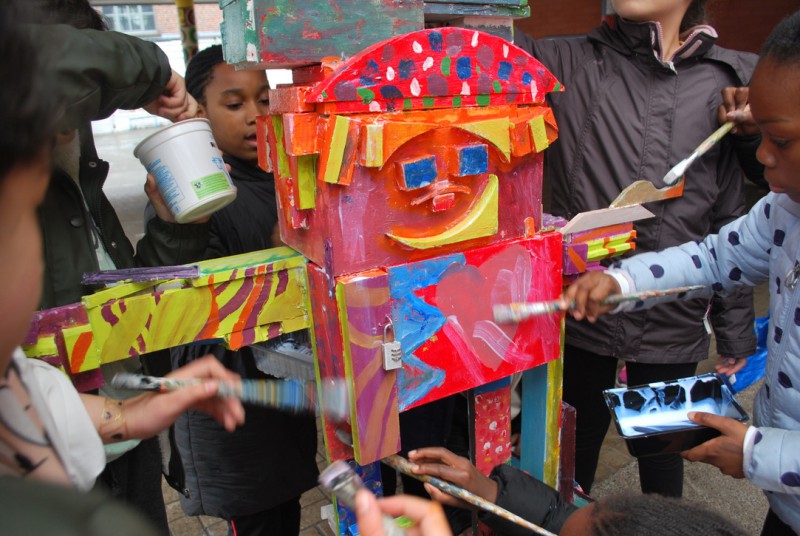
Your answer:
<point x="336" y="149"/>
<point x="306" y="181"/>
<point x="539" y="133"/>
<point x="496" y="131"/>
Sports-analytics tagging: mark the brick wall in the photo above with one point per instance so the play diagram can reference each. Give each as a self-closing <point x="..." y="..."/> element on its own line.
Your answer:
<point x="561" y="17"/>
<point x="745" y="26"/>
<point x="742" y="24"/>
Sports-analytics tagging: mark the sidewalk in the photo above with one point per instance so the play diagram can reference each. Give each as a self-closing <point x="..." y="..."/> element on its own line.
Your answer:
<point x="617" y="471"/>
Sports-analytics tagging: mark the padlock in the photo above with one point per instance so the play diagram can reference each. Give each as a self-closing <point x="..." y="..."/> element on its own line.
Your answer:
<point x="392" y="351"/>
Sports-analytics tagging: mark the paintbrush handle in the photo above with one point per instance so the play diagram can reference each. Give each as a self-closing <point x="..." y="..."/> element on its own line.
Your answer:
<point x="616" y="299"/>
<point x="291" y="395"/>
<point x="404" y="466"/>
<point x="517" y="312"/>
<point x="710" y="141"/>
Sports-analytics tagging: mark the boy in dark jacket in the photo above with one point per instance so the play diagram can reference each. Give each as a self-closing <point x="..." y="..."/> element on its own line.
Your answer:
<point x="254" y="477"/>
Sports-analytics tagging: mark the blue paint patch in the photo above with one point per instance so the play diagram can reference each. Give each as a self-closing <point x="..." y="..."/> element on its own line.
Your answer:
<point x="464" y="68"/>
<point x="370" y="73"/>
<point x="416" y="321"/>
<point x="504" y="69"/>
<point x="527" y="78"/>
<point x="416" y="380"/>
<point x="419" y="173"/>
<point x="473" y="160"/>
<point x="435" y="41"/>
<point x="391" y="92"/>
<point x="406" y="69"/>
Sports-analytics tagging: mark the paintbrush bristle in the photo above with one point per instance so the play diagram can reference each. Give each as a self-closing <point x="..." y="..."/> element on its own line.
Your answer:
<point x="675" y="173"/>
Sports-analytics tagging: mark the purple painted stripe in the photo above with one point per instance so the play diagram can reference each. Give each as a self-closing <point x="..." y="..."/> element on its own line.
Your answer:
<point x="258" y="306"/>
<point x="107" y="314"/>
<point x="140" y="275"/>
<point x="283" y="282"/>
<point x="88" y="381"/>
<point x="237" y="300"/>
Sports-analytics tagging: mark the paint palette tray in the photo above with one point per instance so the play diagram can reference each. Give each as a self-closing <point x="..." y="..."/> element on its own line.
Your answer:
<point x="653" y="418"/>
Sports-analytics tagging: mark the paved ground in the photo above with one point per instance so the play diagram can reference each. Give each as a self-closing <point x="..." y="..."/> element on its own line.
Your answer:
<point x="737" y="499"/>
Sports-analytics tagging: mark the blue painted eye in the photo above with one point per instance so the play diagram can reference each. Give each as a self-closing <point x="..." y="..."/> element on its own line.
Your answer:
<point x="473" y="160"/>
<point x="418" y="173"/>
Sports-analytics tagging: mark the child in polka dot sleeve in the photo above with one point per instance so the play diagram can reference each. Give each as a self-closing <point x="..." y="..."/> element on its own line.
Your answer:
<point x="763" y="246"/>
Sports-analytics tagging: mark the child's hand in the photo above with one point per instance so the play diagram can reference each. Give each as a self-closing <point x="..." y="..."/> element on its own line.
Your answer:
<point x="148" y="414"/>
<point x="587" y="294"/>
<point x="174" y="103"/>
<point x="441" y="463"/>
<point x="729" y="365"/>
<point x="428" y="516"/>
<point x="726" y="452"/>
<point x="734" y="108"/>
<point x="160" y="206"/>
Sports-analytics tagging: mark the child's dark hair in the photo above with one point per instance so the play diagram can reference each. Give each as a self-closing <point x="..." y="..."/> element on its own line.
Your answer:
<point x="695" y="15"/>
<point x="28" y="112"/>
<point x="783" y="44"/>
<point x="76" y="13"/>
<point x="654" y="515"/>
<point x="200" y="71"/>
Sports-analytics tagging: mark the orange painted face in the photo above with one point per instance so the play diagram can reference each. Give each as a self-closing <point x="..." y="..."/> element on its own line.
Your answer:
<point x="444" y="181"/>
<point x="441" y="171"/>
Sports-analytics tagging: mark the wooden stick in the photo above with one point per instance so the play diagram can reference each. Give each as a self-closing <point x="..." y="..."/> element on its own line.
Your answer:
<point x="404" y="466"/>
<point x="517" y="312"/>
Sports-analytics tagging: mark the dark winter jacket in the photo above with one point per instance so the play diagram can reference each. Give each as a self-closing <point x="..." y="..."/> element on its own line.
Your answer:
<point x="530" y="499"/>
<point x="93" y="82"/>
<point x="272" y="458"/>
<point x="628" y="115"/>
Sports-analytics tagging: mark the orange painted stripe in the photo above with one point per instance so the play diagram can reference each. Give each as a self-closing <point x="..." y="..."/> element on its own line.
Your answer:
<point x="258" y="283"/>
<point x="212" y="325"/>
<point x="80" y="349"/>
<point x="577" y="260"/>
<point x="603" y="232"/>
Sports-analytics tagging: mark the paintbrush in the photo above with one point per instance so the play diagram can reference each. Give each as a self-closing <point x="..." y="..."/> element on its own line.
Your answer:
<point x="341" y="480"/>
<point x="680" y="168"/>
<point x="517" y="312"/>
<point x="291" y="395"/>
<point x="405" y="467"/>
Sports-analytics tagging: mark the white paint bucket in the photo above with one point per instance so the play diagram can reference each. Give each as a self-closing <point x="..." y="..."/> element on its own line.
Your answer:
<point x="188" y="168"/>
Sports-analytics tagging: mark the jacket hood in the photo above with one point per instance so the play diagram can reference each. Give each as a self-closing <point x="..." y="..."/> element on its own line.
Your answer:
<point x="646" y="38"/>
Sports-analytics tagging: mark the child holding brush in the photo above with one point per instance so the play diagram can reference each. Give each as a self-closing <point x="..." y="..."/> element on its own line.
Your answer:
<point x="537" y="503"/>
<point x="762" y="246"/>
<point x="642" y="92"/>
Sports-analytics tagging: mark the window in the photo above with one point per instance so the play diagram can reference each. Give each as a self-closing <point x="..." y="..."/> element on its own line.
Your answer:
<point x="131" y="19"/>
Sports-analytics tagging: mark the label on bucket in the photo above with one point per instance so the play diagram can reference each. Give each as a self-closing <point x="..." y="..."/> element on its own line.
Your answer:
<point x="167" y="185"/>
<point x="210" y="185"/>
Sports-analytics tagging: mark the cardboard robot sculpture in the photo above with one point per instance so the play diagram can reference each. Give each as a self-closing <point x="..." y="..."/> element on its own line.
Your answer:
<point x="411" y="177"/>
